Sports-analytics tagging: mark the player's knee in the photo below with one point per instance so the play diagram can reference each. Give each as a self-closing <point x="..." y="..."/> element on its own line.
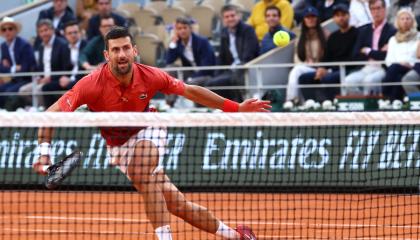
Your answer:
<point x="145" y="160"/>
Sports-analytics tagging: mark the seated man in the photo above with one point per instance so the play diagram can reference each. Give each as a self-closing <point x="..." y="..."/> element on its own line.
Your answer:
<point x="104" y="8"/>
<point x="272" y="16"/>
<point x="59" y="14"/>
<point x="192" y="50"/>
<point x="54" y="55"/>
<point x="91" y="56"/>
<point x="75" y="44"/>
<point x="339" y="48"/>
<point x="371" y="45"/>
<point x="238" y="45"/>
<point x="17" y="56"/>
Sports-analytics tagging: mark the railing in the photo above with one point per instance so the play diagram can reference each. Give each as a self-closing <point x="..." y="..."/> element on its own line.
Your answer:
<point x="259" y="87"/>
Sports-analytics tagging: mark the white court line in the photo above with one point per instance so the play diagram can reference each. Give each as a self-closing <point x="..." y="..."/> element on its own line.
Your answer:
<point x="340" y="225"/>
<point x="87" y="219"/>
<point x="343" y="225"/>
<point x="73" y="231"/>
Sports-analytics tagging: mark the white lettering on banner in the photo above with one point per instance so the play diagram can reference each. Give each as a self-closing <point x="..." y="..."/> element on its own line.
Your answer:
<point x="390" y="155"/>
<point x="254" y="153"/>
<point x="211" y="147"/>
<point x="95" y="152"/>
<point x="371" y="144"/>
<point x="279" y="158"/>
<point x="4" y="147"/>
<point x="173" y="153"/>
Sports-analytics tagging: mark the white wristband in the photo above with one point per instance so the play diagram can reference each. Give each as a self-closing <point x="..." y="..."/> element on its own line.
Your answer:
<point x="45" y="149"/>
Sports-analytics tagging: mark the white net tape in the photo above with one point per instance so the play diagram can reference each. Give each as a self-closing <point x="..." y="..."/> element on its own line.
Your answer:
<point x="114" y="119"/>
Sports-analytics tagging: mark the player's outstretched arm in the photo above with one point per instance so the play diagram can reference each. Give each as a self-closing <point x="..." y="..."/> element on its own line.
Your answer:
<point x="44" y="141"/>
<point x="210" y="99"/>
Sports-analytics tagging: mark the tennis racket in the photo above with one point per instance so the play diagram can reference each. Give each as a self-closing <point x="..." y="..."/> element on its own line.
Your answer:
<point x="62" y="169"/>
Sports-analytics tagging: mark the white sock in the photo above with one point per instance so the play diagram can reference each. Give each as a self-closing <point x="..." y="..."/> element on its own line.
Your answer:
<point x="164" y="232"/>
<point x="227" y="232"/>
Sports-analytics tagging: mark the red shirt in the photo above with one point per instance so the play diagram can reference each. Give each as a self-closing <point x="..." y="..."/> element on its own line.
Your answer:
<point x="102" y="92"/>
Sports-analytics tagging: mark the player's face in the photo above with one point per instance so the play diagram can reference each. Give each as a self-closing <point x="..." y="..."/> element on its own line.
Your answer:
<point x="272" y="18"/>
<point x="230" y="19"/>
<point x="120" y="55"/>
<point x="342" y="19"/>
<point x="405" y="22"/>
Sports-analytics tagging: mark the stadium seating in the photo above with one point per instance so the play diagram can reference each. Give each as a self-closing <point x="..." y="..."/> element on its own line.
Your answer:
<point x="206" y="18"/>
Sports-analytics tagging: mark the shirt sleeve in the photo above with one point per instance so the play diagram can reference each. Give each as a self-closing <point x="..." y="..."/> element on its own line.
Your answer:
<point x="170" y="85"/>
<point x="76" y="96"/>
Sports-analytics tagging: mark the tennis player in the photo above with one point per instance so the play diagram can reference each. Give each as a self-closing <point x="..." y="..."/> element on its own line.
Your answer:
<point x="120" y="85"/>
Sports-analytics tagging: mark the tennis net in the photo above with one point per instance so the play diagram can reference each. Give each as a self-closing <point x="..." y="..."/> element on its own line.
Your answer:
<point x="287" y="175"/>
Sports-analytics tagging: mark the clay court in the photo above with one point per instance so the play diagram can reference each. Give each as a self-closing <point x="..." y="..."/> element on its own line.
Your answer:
<point x="117" y="215"/>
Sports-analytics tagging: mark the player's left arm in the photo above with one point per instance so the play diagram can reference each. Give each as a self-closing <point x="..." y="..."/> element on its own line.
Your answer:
<point x="210" y="99"/>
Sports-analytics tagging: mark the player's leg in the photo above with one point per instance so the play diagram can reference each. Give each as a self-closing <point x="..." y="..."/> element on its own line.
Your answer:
<point x="140" y="170"/>
<point x="197" y="215"/>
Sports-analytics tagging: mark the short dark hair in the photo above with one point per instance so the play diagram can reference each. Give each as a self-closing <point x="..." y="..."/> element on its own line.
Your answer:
<point x="118" y="32"/>
<point x="45" y="22"/>
<point x="105" y="17"/>
<point x="229" y="7"/>
<point x="272" y="7"/>
<point x="371" y="2"/>
<point x="70" y="23"/>
<point x="183" y="20"/>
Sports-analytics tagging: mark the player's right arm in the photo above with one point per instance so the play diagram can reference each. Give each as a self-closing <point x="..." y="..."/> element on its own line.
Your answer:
<point x="81" y="93"/>
<point x="44" y="141"/>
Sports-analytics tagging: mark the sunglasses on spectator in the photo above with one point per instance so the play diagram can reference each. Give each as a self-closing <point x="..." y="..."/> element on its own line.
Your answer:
<point x="7" y="29"/>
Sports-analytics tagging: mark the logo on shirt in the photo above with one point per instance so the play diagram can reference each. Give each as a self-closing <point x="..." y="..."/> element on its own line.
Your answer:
<point x="143" y="96"/>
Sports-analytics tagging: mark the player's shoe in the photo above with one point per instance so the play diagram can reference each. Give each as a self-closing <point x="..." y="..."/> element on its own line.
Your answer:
<point x="245" y="232"/>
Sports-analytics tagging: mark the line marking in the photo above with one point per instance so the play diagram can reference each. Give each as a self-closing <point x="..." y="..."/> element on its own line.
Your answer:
<point x="343" y="225"/>
<point x="87" y="219"/>
<point x="73" y="232"/>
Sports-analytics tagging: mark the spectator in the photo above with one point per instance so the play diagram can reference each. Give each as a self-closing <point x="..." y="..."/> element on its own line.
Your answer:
<point x="59" y="14"/>
<point x="299" y="7"/>
<point x="257" y="18"/>
<point x="85" y="9"/>
<point x="104" y="8"/>
<point x="192" y="50"/>
<point x="73" y="35"/>
<point x="325" y="8"/>
<point x="75" y="44"/>
<point x="272" y="16"/>
<point x="310" y="49"/>
<point x="401" y="55"/>
<point x="413" y="76"/>
<point x="17" y="56"/>
<point x="238" y="45"/>
<point x="338" y="49"/>
<point x="54" y="55"/>
<point x="92" y="54"/>
<point x="371" y="45"/>
<point x="359" y="13"/>
<point x="396" y="5"/>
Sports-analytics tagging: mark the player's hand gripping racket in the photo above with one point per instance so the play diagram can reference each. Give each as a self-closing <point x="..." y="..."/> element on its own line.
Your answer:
<point x="62" y="169"/>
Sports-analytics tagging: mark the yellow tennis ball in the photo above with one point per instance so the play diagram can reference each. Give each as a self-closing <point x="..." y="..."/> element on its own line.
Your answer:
<point x="281" y="38"/>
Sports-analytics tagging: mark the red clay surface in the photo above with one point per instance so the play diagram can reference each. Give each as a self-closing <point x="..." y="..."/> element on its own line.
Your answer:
<point x="115" y="215"/>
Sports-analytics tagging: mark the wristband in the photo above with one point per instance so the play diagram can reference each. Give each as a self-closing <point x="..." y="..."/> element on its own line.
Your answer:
<point x="45" y="149"/>
<point x="230" y="106"/>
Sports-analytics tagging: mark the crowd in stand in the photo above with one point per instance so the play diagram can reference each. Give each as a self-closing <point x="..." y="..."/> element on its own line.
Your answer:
<point x="368" y="30"/>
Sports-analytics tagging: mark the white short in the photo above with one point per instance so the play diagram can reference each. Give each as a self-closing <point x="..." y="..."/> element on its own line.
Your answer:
<point x="122" y="155"/>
